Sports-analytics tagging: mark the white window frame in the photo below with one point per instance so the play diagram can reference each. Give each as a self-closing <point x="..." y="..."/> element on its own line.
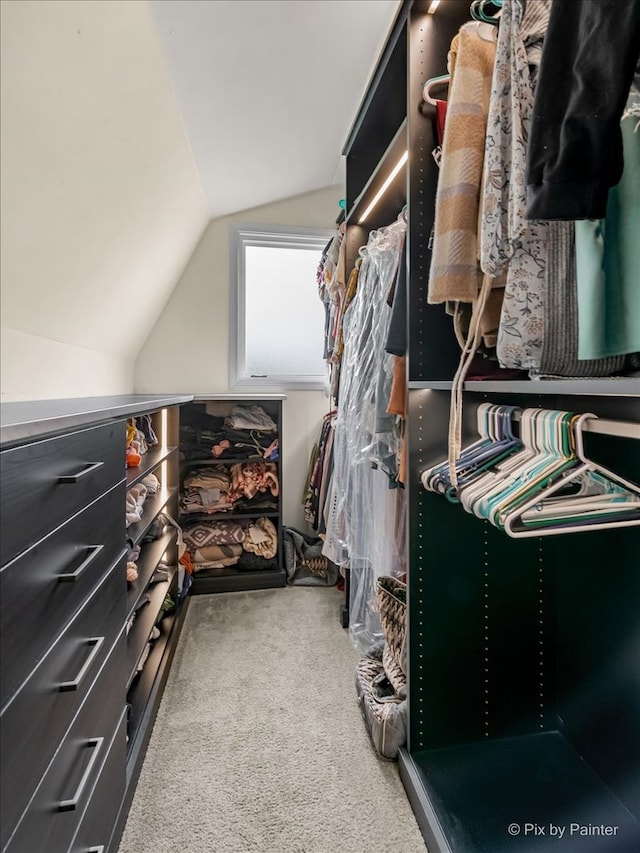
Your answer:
<point x="240" y="237"/>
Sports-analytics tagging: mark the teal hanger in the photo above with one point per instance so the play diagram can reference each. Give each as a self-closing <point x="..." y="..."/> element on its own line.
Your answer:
<point x="479" y="11"/>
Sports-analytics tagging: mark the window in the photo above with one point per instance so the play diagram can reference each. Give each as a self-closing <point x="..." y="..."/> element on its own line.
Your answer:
<point x="275" y="308"/>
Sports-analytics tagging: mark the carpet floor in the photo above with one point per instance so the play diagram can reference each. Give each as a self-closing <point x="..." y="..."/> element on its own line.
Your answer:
<point x="258" y="746"/>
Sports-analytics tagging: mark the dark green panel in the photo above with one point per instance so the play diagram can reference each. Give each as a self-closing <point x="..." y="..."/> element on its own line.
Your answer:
<point x="597" y="578"/>
<point x="482" y="629"/>
<point x="433" y="349"/>
<point x="489" y="797"/>
<point x="446" y="627"/>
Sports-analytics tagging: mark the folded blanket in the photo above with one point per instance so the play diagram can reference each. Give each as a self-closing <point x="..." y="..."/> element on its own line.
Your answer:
<point x="258" y="536"/>
<point x="208" y="477"/>
<point x="204" y="532"/>
<point x="216" y="557"/>
<point x="216" y="553"/>
<point x="250" y="417"/>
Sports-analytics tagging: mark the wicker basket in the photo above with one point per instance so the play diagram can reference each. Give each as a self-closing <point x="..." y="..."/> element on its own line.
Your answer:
<point x="392" y="604"/>
<point x="396" y="676"/>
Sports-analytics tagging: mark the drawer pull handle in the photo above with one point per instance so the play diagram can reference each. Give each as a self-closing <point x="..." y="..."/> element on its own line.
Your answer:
<point x="70" y="805"/>
<point x="96" y="642"/>
<point x="73" y="478"/>
<point x="71" y="577"/>
<point x="99" y="849"/>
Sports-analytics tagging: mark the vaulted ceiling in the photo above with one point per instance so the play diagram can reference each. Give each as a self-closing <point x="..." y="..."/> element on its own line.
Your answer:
<point x="128" y="124"/>
<point x="268" y="89"/>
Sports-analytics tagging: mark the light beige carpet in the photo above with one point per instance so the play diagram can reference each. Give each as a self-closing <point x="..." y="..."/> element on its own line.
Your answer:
<point x="259" y="746"/>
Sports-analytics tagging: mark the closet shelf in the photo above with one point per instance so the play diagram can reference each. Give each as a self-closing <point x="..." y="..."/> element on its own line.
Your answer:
<point x="151" y="508"/>
<point x="602" y="426"/>
<point x="150" y="461"/>
<point x="624" y="386"/>
<point x="27" y="419"/>
<point x="219" y="516"/>
<point x="143" y="625"/>
<point x="396" y="193"/>
<point x="481" y="796"/>
<point x="150" y="556"/>
<point x="213" y="460"/>
<point x="232" y="580"/>
<point x="144" y="694"/>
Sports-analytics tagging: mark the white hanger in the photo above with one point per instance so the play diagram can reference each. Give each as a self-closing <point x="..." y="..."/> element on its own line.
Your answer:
<point x="430" y="84"/>
<point x="601" y="494"/>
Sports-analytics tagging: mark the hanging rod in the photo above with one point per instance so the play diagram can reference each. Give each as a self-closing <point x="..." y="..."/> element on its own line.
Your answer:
<point x="624" y="429"/>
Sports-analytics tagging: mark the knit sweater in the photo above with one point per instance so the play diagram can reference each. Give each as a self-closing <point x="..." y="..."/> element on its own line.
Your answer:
<point x="455" y="274"/>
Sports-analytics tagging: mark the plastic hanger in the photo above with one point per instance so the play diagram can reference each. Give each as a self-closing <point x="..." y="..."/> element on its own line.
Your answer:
<point x="430" y="84"/>
<point x="480" y="11"/>
<point x="496" y="477"/>
<point x="552" y="447"/>
<point x="497" y="440"/>
<point x="603" y="499"/>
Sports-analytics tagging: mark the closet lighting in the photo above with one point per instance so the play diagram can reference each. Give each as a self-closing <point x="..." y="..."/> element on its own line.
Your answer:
<point x="163" y="430"/>
<point x="432" y="8"/>
<point x="384" y="187"/>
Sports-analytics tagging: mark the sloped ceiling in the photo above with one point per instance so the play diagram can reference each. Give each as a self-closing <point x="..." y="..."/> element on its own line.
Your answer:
<point x="127" y="124"/>
<point x="268" y="89"/>
<point x="101" y="200"/>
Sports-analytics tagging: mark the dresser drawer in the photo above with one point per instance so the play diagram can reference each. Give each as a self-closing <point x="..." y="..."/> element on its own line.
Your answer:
<point x="37" y="717"/>
<point x="46" y="482"/>
<point x="99" y="820"/>
<point x="42" y="589"/>
<point x="54" y="813"/>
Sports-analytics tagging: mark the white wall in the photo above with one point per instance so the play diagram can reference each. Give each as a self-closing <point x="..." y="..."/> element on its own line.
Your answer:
<point x="35" y="368"/>
<point x="188" y="349"/>
<point x="101" y="201"/>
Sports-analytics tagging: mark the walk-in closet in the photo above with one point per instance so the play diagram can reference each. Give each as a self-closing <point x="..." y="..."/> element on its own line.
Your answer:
<point x="320" y="426"/>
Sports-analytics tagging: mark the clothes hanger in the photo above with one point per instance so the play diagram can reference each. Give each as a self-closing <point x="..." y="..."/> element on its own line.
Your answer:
<point x="481" y="11"/>
<point x="603" y="500"/>
<point x="432" y="83"/>
<point x="552" y="445"/>
<point x="518" y="473"/>
<point x="497" y="440"/>
<point x="494" y="478"/>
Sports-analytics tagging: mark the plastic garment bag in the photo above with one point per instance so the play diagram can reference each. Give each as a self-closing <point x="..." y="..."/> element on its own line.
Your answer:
<point x="363" y="505"/>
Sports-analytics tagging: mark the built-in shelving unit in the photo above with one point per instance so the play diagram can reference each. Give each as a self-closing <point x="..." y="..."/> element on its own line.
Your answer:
<point x="211" y="410"/>
<point x="524" y="685"/>
<point x="66" y="458"/>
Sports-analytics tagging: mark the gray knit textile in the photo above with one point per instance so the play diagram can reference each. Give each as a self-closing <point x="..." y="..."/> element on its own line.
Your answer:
<point x="560" y="348"/>
<point x="259" y="746"/>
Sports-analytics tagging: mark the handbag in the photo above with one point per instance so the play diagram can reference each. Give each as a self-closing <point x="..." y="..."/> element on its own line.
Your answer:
<point x="304" y="562"/>
<point x="384" y="713"/>
<point x="392" y="605"/>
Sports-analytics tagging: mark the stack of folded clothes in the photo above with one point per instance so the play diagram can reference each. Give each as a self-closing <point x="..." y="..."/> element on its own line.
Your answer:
<point x="247" y="433"/>
<point x="217" y="544"/>
<point x="219" y="488"/>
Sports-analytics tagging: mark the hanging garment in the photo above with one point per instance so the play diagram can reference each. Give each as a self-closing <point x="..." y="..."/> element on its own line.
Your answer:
<point x="352" y="287"/>
<point x="575" y="146"/>
<point x="608" y="253"/>
<point x="560" y="349"/>
<point x="508" y="241"/>
<point x="361" y="509"/>
<point x="455" y="274"/>
<point x="396" y="342"/>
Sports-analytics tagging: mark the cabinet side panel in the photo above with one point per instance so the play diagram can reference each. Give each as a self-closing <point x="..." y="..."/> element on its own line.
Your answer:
<point x="433" y="349"/>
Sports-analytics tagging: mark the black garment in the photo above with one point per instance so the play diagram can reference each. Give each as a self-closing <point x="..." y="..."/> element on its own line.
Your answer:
<point x="575" y="146"/>
<point x="397" y="335"/>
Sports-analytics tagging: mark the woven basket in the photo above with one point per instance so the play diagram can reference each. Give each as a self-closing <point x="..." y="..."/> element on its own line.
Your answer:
<point x="392" y="605"/>
<point x="396" y="676"/>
